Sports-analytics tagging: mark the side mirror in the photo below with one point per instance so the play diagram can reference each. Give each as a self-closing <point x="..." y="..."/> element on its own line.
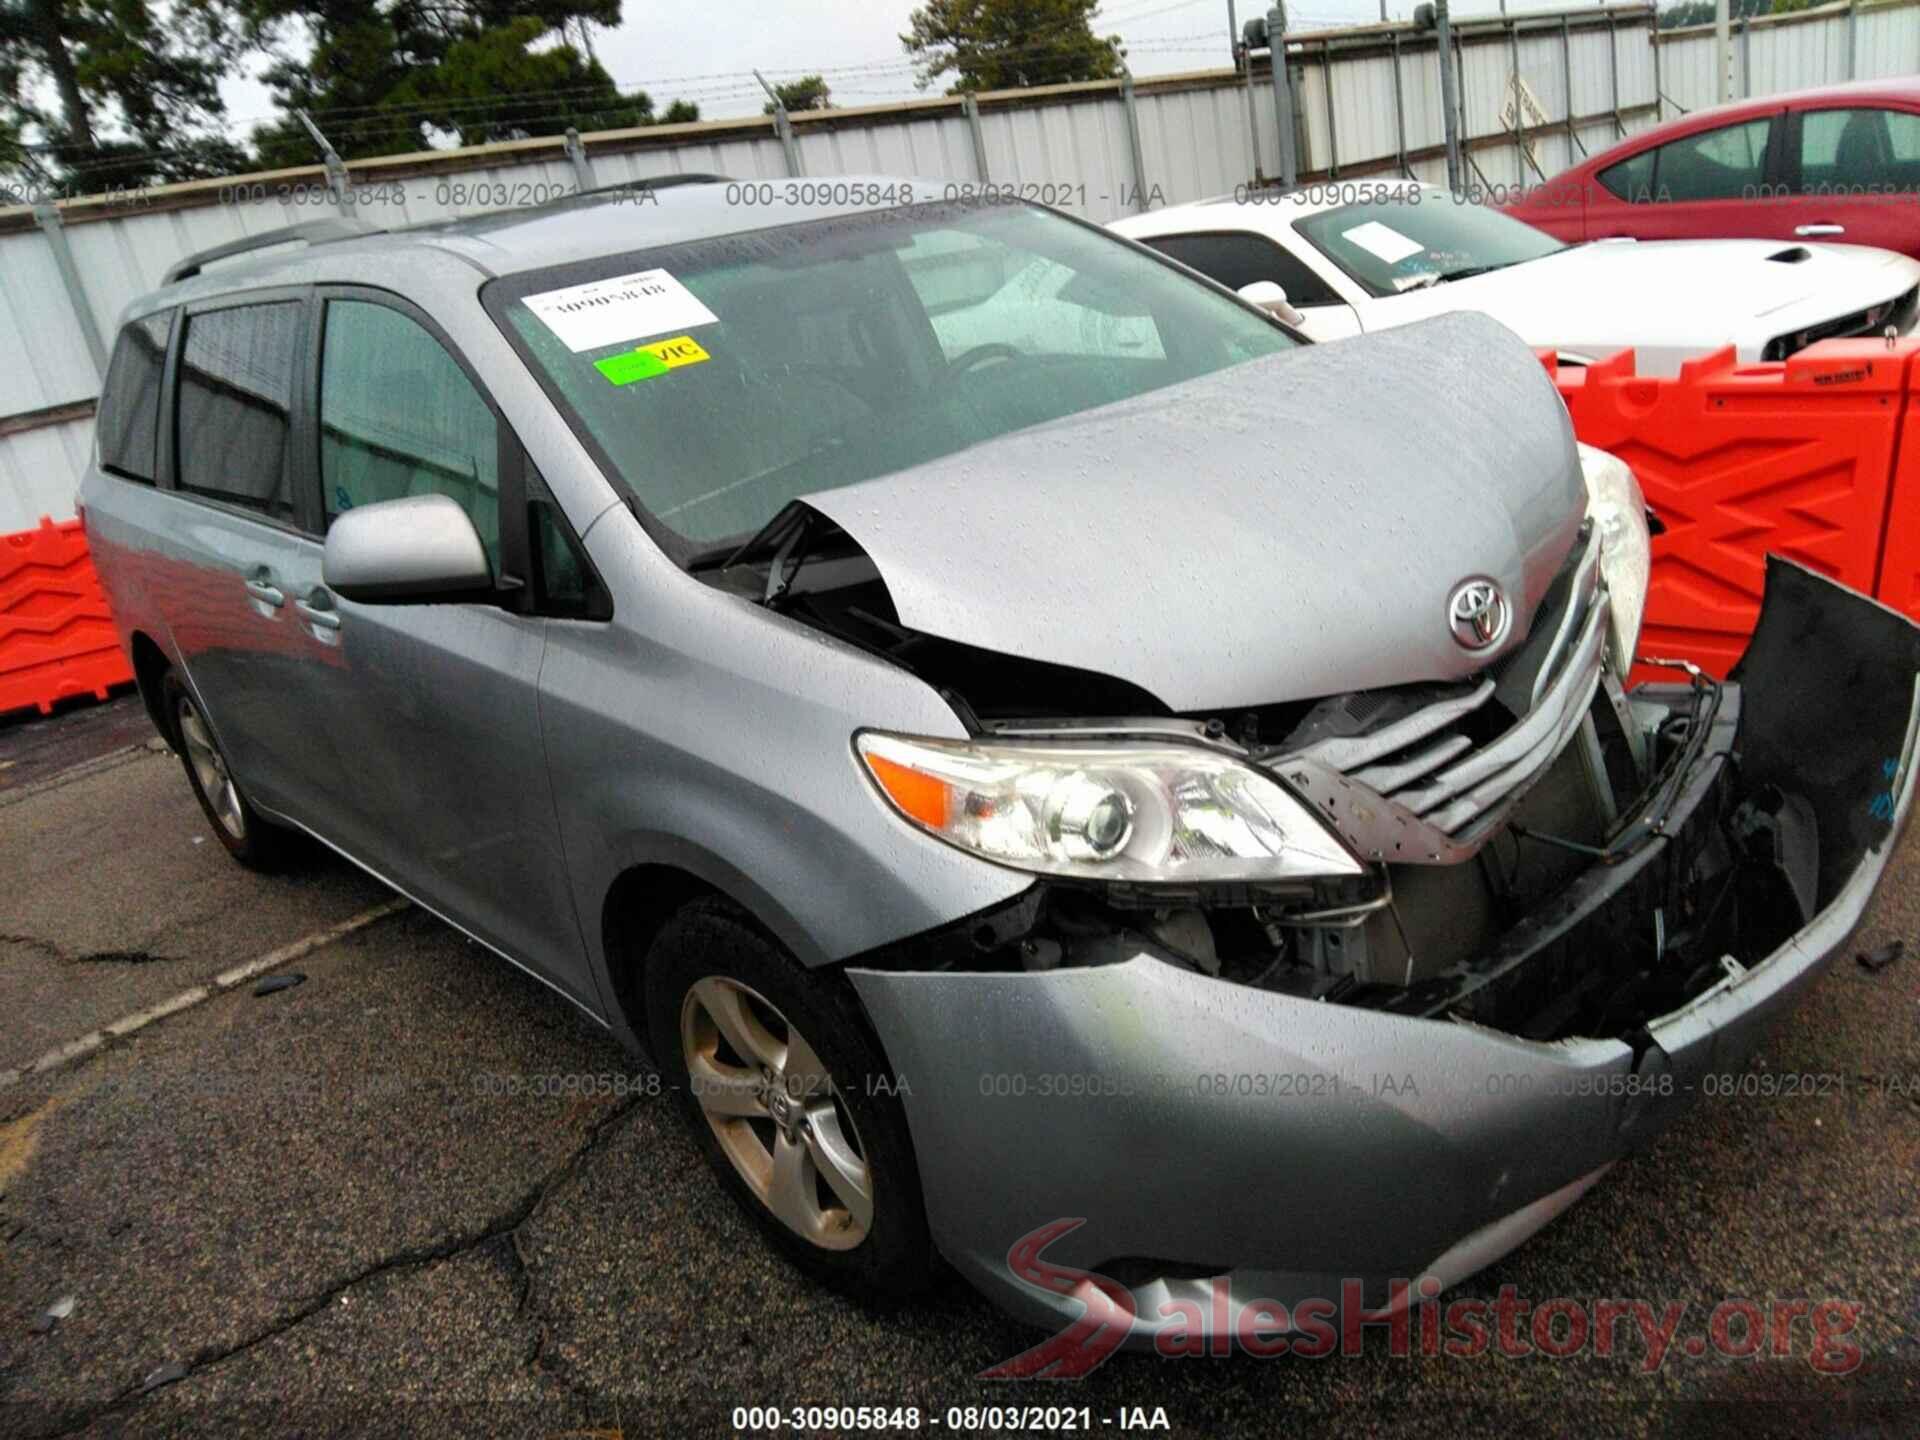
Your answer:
<point x="418" y="549"/>
<point x="1269" y="296"/>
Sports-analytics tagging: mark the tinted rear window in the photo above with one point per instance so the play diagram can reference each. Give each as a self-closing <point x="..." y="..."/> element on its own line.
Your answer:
<point x="236" y="396"/>
<point x="129" y="419"/>
<point x="1725" y="164"/>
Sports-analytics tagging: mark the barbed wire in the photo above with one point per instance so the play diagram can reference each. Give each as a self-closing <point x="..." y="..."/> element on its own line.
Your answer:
<point x="344" y="123"/>
<point x="687" y="87"/>
<point x="1133" y="18"/>
<point x="737" y="83"/>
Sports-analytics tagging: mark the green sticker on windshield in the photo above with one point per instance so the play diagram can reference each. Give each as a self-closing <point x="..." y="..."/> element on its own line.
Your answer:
<point x="632" y="365"/>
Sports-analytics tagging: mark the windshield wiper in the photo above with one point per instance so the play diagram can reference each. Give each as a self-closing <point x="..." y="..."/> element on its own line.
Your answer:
<point x="1467" y="272"/>
<point x="765" y="538"/>
<point x="779" y="576"/>
<point x="1464" y="272"/>
<point x="779" y="544"/>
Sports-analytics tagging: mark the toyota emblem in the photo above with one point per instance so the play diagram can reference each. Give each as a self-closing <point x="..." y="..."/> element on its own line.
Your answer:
<point x="1478" y="614"/>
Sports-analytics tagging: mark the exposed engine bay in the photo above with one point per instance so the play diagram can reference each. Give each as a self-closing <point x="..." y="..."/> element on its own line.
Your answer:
<point x="1588" y="908"/>
<point x="1547" y="855"/>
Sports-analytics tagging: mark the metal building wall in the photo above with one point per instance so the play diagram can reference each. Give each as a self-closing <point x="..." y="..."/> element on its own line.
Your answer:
<point x="39" y="471"/>
<point x="1793" y="52"/>
<point x="51" y="362"/>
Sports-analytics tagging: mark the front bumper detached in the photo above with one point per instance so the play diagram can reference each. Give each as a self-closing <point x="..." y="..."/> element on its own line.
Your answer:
<point x="1205" y="1128"/>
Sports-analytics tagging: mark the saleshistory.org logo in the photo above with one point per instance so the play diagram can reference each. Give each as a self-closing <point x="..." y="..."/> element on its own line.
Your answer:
<point x="1413" y="1322"/>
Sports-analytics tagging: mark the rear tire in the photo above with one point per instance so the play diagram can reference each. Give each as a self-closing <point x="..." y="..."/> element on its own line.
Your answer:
<point x="251" y="839"/>
<point x="791" y="1100"/>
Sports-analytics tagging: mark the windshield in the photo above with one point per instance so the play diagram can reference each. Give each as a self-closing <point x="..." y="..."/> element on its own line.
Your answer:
<point x="720" y="379"/>
<point x="1421" y="237"/>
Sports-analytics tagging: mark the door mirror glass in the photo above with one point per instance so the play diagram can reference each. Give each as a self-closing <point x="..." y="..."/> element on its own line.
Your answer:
<point x="419" y="549"/>
<point x="1271" y="297"/>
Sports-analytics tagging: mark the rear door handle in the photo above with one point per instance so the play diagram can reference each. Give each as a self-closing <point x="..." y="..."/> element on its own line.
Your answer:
<point x="266" y="594"/>
<point x="1823" y="228"/>
<point x="319" y="612"/>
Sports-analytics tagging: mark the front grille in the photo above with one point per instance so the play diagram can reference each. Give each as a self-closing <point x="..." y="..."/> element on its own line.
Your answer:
<point x="1899" y="314"/>
<point x="1430" y="786"/>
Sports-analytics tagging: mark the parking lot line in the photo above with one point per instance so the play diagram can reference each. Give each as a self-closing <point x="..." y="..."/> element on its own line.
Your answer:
<point x="93" y="1040"/>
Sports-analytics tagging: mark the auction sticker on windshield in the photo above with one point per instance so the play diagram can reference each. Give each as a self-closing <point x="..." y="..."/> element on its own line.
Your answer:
<point x="656" y="357"/>
<point x="625" y="307"/>
<point x="1382" y="240"/>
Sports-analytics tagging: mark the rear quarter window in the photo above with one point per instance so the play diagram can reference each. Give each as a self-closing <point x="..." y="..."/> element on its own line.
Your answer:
<point x="1631" y="180"/>
<point x="128" y="424"/>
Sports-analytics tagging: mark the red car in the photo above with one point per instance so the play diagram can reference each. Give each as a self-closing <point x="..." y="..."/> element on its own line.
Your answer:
<point x="1839" y="163"/>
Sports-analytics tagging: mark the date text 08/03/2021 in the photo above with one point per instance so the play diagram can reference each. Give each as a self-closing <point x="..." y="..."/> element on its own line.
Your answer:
<point x="992" y="1419"/>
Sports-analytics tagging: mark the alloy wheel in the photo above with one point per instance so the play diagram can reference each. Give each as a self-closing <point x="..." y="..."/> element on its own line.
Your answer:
<point x="775" y="1111"/>
<point x="210" y="769"/>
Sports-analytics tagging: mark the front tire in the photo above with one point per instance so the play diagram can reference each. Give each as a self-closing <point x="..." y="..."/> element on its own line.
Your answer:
<point x="791" y="1100"/>
<point x="252" y="840"/>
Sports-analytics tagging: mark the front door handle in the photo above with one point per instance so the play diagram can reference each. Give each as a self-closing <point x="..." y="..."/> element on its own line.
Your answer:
<point x="318" y="611"/>
<point x="1823" y="228"/>
<point x="266" y="594"/>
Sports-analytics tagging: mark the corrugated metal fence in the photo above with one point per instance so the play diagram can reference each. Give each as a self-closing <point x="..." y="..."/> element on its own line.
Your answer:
<point x="1366" y="101"/>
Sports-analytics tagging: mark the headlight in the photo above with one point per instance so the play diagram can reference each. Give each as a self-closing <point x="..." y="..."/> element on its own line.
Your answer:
<point x="1107" y="811"/>
<point x="1619" y="512"/>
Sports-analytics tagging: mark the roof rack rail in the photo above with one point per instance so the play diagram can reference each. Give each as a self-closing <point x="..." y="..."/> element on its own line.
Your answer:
<point x="311" y="232"/>
<point x="658" y="182"/>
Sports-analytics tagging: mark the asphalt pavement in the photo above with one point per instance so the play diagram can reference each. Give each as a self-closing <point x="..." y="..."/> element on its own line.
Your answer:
<point x="349" y="1206"/>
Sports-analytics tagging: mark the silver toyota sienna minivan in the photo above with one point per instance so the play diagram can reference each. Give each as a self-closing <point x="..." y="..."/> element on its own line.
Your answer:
<point x="1016" y="736"/>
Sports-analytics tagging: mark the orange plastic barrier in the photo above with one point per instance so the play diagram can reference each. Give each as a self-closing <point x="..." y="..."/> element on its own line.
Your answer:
<point x="1899" y="581"/>
<point x="1803" y="458"/>
<point x="56" y="634"/>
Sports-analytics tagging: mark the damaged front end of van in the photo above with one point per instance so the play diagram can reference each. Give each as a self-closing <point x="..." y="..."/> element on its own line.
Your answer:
<point x="1408" y="1070"/>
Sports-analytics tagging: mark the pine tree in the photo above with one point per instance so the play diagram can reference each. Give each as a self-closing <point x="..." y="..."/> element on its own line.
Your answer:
<point x="1007" y="44"/>
<point x="132" y="89"/>
<point x="389" y="76"/>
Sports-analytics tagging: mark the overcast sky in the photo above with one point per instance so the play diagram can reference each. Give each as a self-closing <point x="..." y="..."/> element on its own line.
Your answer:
<point x="705" y="52"/>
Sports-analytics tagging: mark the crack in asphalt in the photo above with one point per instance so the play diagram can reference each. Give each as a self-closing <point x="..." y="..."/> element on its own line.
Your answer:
<point x="504" y="1227"/>
<point x="61" y="955"/>
<point x="35" y="943"/>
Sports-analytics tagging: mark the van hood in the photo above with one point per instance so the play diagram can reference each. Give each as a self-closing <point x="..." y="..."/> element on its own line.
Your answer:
<point x="1282" y="530"/>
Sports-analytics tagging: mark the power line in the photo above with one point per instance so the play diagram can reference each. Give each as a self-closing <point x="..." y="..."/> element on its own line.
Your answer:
<point x="1135" y="18"/>
<point x="352" y="120"/>
<point x="737" y="82"/>
<point x="743" y="83"/>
